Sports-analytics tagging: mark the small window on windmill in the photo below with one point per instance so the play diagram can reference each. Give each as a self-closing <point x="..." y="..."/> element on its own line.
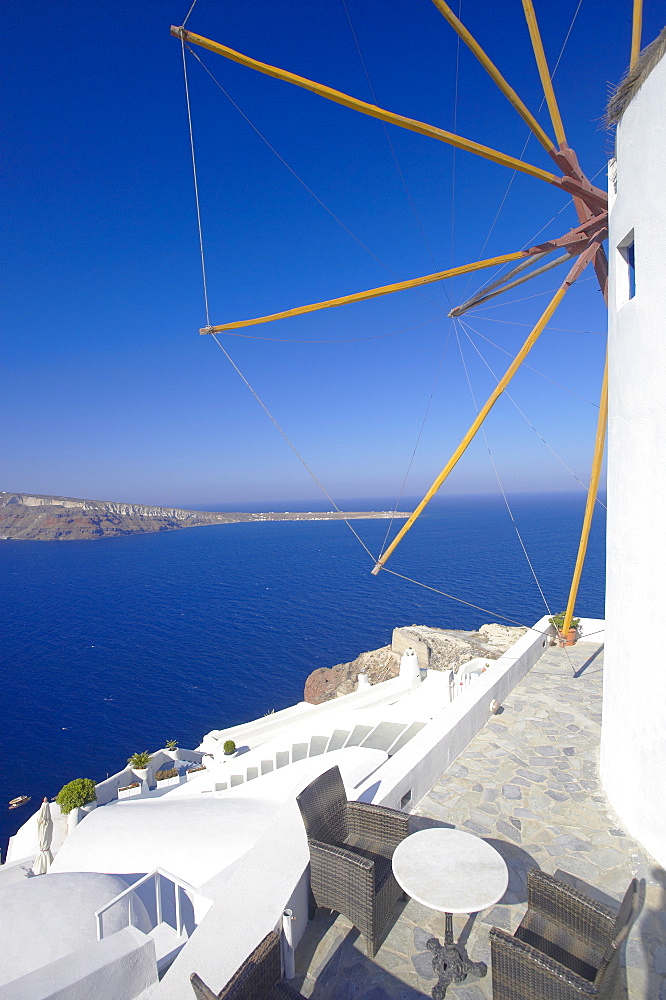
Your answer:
<point x="626" y="270"/>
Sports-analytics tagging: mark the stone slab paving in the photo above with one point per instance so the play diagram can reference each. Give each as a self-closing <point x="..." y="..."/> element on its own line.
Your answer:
<point x="528" y="784"/>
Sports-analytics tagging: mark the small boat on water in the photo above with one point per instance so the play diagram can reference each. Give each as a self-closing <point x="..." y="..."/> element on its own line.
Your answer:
<point x="20" y="800"/>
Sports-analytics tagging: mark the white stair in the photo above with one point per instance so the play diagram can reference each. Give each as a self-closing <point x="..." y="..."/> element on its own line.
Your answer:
<point x="387" y="736"/>
<point x="167" y="944"/>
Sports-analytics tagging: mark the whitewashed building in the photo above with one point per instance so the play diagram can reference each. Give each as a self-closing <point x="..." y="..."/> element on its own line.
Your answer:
<point x="633" y="751"/>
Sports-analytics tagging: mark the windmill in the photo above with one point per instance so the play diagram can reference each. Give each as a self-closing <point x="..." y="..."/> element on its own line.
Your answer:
<point x="582" y="245"/>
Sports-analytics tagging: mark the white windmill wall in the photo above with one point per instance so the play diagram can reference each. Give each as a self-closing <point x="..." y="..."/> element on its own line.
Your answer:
<point x="633" y="743"/>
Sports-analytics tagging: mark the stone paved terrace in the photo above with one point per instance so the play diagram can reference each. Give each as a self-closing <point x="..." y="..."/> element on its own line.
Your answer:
<point x="529" y="785"/>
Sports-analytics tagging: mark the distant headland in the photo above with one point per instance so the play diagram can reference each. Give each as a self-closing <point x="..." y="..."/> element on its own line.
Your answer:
<point x="32" y="517"/>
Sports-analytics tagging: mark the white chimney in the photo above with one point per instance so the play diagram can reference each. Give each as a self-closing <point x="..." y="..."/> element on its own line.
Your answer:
<point x="410" y="672"/>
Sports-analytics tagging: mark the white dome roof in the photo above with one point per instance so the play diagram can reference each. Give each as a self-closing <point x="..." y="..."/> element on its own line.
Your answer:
<point x="192" y="838"/>
<point x="48" y="916"/>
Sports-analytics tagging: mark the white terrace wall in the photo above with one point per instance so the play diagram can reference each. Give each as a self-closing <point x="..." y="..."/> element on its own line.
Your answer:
<point x="118" y="968"/>
<point x="633" y="737"/>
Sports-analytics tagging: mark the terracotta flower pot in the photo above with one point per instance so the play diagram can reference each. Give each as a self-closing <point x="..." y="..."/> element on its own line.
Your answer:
<point x="570" y="638"/>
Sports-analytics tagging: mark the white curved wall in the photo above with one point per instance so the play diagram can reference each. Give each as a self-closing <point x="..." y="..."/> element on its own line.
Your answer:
<point x="633" y="744"/>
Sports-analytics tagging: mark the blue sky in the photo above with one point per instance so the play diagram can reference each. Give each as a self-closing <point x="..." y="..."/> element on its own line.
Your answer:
<point x="110" y="390"/>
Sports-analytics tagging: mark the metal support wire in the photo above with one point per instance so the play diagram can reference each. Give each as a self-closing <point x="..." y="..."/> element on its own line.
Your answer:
<point x="524" y="415"/>
<point x="291" y="445"/>
<point x="499" y="481"/>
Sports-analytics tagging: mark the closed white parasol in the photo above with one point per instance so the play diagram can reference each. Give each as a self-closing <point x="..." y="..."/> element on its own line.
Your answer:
<point x="44" y="833"/>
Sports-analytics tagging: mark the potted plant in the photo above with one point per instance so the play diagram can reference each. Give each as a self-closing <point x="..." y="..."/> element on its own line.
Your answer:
<point x="134" y="788"/>
<point x="165" y="773"/>
<point x="168" y="776"/>
<point x="572" y="634"/>
<point x="140" y="762"/>
<point x="75" y="794"/>
<point x="171" y="748"/>
<point x="193" y="772"/>
<point x="229" y="748"/>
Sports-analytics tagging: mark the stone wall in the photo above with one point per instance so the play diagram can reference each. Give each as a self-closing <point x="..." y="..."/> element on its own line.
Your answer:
<point x="436" y="648"/>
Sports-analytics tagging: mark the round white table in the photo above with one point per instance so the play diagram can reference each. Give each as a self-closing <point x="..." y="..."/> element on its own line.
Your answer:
<point x="453" y="872"/>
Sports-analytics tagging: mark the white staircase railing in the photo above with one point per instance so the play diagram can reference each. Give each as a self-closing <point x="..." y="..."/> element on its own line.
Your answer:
<point x="461" y="678"/>
<point x="199" y="906"/>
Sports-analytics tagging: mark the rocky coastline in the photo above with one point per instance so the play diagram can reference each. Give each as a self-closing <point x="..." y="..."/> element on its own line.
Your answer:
<point x="436" y="648"/>
<point x="33" y="517"/>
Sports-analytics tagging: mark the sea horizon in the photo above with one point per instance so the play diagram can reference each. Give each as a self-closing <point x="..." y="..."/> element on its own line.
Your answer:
<point x="376" y="502"/>
<point x="316" y="504"/>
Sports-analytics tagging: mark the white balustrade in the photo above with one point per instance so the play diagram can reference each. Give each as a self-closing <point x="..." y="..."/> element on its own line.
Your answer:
<point x="459" y="682"/>
<point x="157" y="877"/>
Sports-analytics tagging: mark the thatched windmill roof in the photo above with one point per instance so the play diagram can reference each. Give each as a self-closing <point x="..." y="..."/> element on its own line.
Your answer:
<point x="635" y="78"/>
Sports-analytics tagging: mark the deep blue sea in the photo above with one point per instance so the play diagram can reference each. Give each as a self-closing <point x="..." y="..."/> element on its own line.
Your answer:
<point x="117" y="645"/>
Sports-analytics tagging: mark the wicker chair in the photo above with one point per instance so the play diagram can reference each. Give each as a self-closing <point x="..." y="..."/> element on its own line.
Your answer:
<point x="351" y="846"/>
<point x="259" y="977"/>
<point x="567" y="946"/>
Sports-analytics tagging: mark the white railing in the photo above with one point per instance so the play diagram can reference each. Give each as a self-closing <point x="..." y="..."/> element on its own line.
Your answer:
<point x="157" y="875"/>
<point x="459" y="684"/>
<point x="464" y="675"/>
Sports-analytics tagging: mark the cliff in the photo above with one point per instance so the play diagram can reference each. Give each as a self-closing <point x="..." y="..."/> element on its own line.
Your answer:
<point x="31" y="517"/>
<point x="436" y="648"/>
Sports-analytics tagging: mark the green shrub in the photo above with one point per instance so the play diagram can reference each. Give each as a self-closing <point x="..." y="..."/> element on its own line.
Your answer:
<point x="558" y="621"/>
<point x="172" y="744"/>
<point x="75" y="794"/>
<point x="140" y="760"/>
<point x="229" y="746"/>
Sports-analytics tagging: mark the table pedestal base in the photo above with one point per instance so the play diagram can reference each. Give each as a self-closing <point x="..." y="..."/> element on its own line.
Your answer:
<point x="450" y="962"/>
